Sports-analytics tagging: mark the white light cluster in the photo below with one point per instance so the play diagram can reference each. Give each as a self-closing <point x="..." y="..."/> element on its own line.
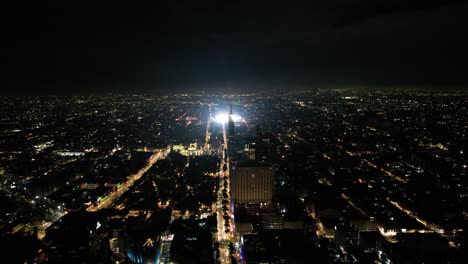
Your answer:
<point x="223" y="118"/>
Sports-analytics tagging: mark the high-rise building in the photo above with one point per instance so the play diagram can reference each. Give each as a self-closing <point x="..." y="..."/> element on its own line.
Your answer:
<point x="252" y="184"/>
<point x="249" y="151"/>
<point x="364" y="224"/>
<point x="78" y="237"/>
<point x="164" y="251"/>
<point x="272" y="221"/>
<point x="267" y="148"/>
<point x="231" y="124"/>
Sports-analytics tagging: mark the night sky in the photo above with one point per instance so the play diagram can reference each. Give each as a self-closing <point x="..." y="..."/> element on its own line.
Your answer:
<point x="107" y="47"/>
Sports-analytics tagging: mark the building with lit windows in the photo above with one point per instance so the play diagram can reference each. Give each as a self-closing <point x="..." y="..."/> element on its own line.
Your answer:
<point x="252" y="184"/>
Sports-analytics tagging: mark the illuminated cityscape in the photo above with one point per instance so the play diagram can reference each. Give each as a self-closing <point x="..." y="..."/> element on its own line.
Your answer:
<point x="234" y="132"/>
<point x="354" y="175"/>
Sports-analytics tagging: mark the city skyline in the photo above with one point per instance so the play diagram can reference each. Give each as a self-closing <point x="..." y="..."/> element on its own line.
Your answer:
<point x="371" y="175"/>
<point x="243" y="132"/>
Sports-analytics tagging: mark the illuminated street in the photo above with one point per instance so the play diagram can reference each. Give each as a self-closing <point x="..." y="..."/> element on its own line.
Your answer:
<point x="223" y="237"/>
<point x="112" y="197"/>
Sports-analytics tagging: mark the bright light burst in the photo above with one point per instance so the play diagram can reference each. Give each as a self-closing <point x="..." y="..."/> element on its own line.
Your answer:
<point x="224" y="118"/>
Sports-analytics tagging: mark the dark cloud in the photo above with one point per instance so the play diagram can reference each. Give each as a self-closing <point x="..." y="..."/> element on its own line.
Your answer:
<point x="108" y="47"/>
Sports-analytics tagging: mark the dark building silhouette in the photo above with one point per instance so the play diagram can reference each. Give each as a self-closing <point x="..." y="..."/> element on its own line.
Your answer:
<point x="78" y="237"/>
<point x="231" y="131"/>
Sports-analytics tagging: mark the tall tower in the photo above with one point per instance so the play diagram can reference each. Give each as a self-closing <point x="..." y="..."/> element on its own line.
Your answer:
<point x="231" y="124"/>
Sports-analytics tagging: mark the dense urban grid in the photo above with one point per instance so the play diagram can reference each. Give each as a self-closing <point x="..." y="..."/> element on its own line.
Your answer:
<point x="320" y="176"/>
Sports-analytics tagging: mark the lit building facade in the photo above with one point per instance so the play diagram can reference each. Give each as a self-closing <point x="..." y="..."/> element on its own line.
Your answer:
<point x="252" y="184"/>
